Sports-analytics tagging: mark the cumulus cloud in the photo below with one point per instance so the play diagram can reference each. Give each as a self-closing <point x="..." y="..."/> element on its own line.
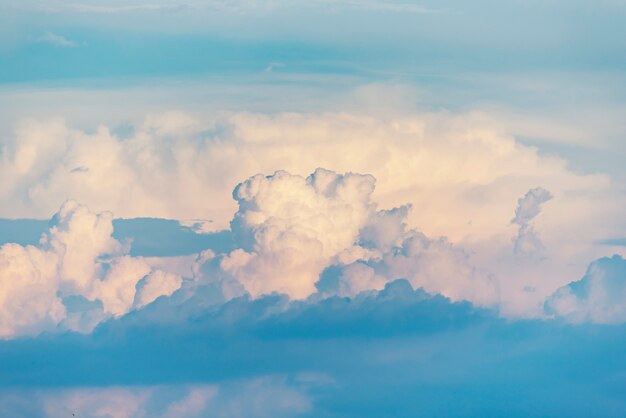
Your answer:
<point x="435" y="265"/>
<point x="527" y="241"/>
<point x="291" y="229"/>
<point x="155" y="284"/>
<point x="76" y="276"/>
<point x="177" y="167"/>
<point x="599" y="297"/>
<point x="459" y="173"/>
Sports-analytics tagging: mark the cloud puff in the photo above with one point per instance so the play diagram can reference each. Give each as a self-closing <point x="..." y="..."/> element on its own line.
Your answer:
<point x="600" y="296"/>
<point x="290" y="229"/>
<point x="527" y="241"/>
<point x="75" y="277"/>
<point x="435" y="265"/>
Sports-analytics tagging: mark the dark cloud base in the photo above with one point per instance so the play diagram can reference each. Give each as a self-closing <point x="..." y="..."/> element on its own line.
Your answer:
<point x="398" y="352"/>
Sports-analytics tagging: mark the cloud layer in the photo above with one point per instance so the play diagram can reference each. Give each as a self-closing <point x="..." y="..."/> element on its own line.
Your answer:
<point x="171" y="162"/>
<point x="258" y="397"/>
<point x="395" y="352"/>
<point x="460" y="174"/>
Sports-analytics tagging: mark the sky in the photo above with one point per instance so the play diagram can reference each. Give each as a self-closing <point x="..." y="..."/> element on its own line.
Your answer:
<point x="332" y="208"/>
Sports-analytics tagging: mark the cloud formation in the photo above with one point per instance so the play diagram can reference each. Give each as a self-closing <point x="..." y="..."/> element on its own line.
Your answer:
<point x="459" y="173"/>
<point x="400" y="351"/>
<point x="290" y="229"/>
<point x="75" y="277"/>
<point x="599" y="297"/>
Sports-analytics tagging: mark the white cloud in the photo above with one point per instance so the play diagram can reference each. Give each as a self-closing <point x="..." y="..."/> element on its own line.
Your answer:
<point x="381" y="5"/>
<point x="28" y="302"/>
<point x="460" y="173"/>
<point x="110" y="7"/>
<point x="291" y="228"/>
<point x="77" y="276"/>
<point x="155" y="284"/>
<point x="435" y="265"/>
<point x="173" y="166"/>
<point x="57" y="40"/>
<point x="106" y="7"/>
<point x="600" y="296"/>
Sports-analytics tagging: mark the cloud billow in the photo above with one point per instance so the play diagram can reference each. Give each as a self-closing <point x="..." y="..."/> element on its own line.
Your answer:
<point x="326" y="296"/>
<point x="290" y="229"/>
<point x="75" y="277"/>
<point x="598" y="297"/>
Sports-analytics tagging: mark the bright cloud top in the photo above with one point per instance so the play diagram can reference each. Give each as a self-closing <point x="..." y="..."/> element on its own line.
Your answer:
<point x="77" y="276"/>
<point x="291" y="229"/>
<point x="460" y="173"/>
<point x="454" y="176"/>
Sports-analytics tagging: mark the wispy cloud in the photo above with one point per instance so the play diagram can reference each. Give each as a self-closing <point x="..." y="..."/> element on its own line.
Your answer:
<point x="57" y="40"/>
<point x="237" y="6"/>
<point x="110" y="9"/>
<point x="382" y="5"/>
<point x="274" y="65"/>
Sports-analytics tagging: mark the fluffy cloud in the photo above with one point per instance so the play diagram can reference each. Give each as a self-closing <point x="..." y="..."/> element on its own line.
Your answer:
<point x="434" y="265"/>
<point x="173" y="166"/>
<point x="460" y="173"/>
<point x="27" y="292"/>
<point x="76" y="276"/>
<point x="290" y="229"/>
<point x="600" y="296"/>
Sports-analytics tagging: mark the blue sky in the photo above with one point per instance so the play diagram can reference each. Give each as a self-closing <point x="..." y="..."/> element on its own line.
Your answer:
<point x="330" y="209"/>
